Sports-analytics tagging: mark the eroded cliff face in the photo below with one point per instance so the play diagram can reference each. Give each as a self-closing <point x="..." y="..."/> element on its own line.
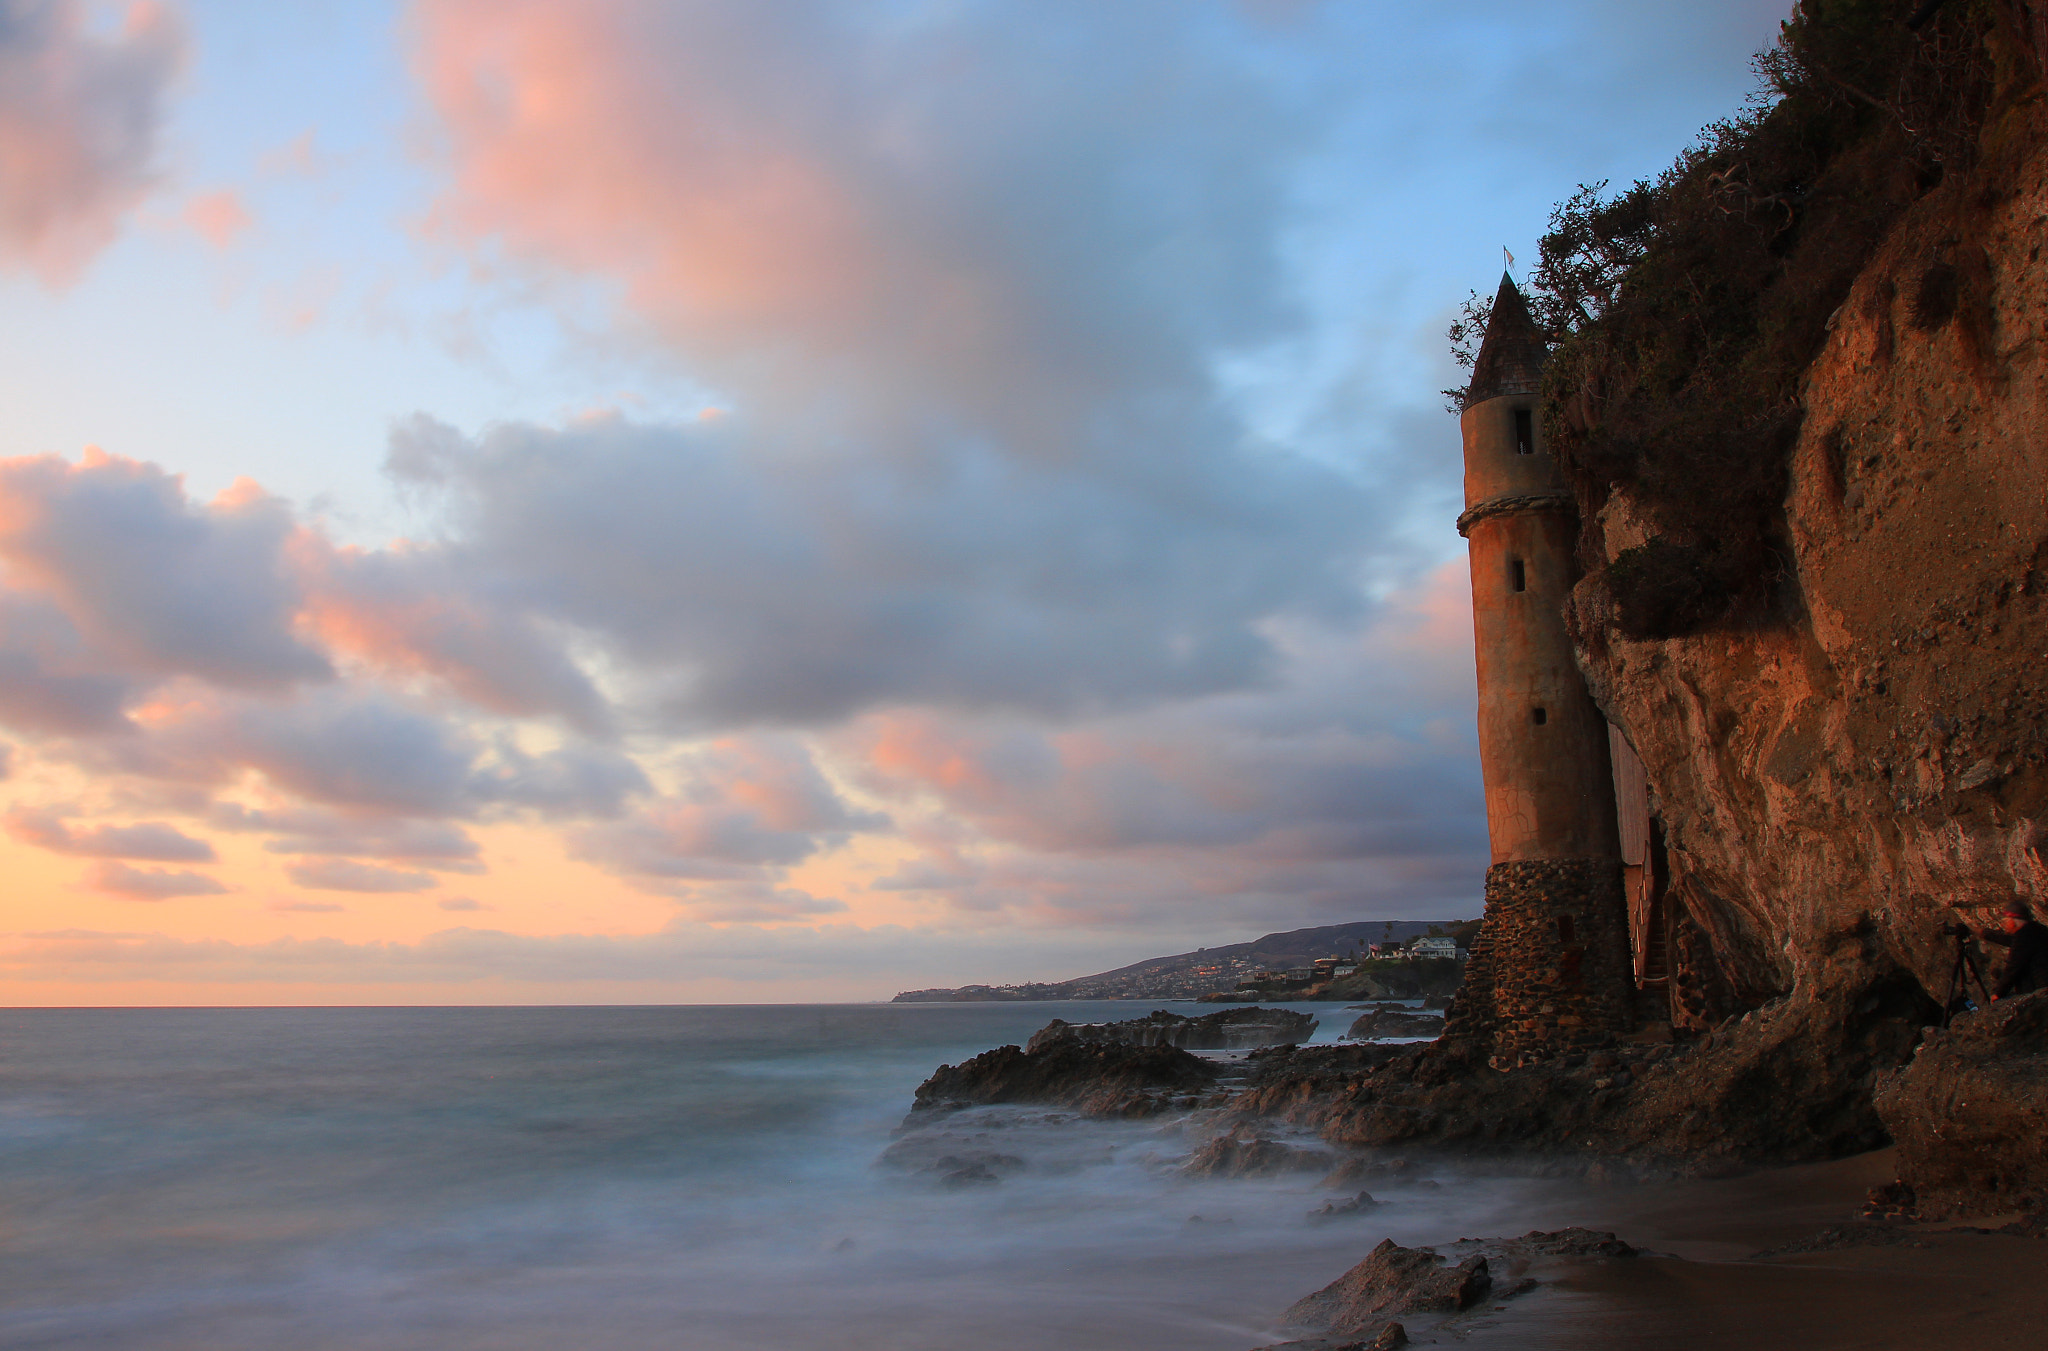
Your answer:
<point x="1832" y="776"/>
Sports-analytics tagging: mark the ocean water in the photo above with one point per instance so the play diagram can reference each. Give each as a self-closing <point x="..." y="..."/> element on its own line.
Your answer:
<point x="458" y="1179"/>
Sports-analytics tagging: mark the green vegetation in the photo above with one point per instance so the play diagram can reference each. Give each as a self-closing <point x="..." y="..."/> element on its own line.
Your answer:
<point x="1683" y="311"/>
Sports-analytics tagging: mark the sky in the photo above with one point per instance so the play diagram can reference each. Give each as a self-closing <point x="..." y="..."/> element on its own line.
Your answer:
<point x="589" y="501"/>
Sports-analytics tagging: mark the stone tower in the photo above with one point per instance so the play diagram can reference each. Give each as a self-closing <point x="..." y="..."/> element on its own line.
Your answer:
<point x="1551" y="967"/>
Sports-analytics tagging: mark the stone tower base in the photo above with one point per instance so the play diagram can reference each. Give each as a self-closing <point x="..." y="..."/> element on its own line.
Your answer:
<point x="1550" y="966"/>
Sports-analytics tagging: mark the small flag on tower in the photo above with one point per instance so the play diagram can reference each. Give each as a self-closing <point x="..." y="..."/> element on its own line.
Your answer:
<point x="1510" y="257"/>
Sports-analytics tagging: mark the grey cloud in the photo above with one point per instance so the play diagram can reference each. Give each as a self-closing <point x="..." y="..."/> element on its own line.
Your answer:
<point x="364" y="751"/>
<point x="571" y="780"/>
<point x="738" y="584"/>
<point x="1351" y="788"/>
<point x="305" y="830"/>
<point x="149" y="884"/>
<point x="169" y="587"/>
<point x="748" y="808"/>
<point x="341" y="874"/>
<point x="413" y="610"/>
<point x="983" y="457"/>
<point x="50" y="681"/>
<point x="80" y="110"/>
<point x="152" y="841"/>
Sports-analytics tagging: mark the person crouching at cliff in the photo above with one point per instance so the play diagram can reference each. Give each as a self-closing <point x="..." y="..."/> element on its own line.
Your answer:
<point x="2026" y="968"/>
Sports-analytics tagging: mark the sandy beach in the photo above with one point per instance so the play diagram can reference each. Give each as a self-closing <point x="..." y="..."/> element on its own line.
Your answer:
<point x="1933" y="1285"/>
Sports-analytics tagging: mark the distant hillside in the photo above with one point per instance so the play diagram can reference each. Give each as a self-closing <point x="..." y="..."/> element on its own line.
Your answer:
<point x="1188" y="974"/>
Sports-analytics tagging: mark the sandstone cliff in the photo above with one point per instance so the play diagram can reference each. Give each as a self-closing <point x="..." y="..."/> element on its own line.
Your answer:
<point x="1873" y="751"/>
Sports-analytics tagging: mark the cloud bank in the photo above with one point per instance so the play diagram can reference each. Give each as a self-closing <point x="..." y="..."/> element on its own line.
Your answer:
<point x="79" y="117"/>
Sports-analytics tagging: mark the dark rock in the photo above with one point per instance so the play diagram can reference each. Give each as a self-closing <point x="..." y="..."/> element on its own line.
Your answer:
<point x="1790" y="1082"/>
<point x="1228" y="1030"/>
<point x="1396" y="1022"/>
<point x="1572" y="1242"/>
<point x="1360" y="1204"/>
<point x="1392" y="1280"/>
<point x="1234" y="1156"/>
<point x="1966" y="1113"/>
<point x="939" y="1153"/>
<point x="1095" y="1078"/>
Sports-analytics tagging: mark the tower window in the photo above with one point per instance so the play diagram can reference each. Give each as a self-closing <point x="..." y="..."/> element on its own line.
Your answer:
<point x="1518" y="575"/>
<point x="1539" y="717"/>
<point x="1566" y="931"/>
<point x="1525" y="432"/>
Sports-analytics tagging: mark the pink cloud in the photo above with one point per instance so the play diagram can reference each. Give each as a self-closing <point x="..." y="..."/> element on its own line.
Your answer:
<point x="218" y="216"/>
<point x="407" y="611"/>
<point x="79" y="115"/>
<point x="149" y="884"/>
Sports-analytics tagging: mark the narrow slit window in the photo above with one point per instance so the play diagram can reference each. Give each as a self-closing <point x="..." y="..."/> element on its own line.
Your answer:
<point x="1539" y="717"/>
<point x="1566" y="931"/>
<point x="1525" y="432"/>
<point x="1518" y="575"/>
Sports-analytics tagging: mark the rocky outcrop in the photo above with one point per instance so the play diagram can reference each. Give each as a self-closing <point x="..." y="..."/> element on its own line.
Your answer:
<point x="1230" y="1030"/>
<point x="1395" y="1022"/>
<point x="1392" y="1280"/>
<point x="1247" y="1155"/>
<point x="1095" y="1078"/>
<point x="1786" y="1083"/>
<point x="1970" y="1113"/>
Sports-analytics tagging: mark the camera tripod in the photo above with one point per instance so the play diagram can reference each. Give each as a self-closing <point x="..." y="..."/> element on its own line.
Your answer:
<point x="1965" y="964"/>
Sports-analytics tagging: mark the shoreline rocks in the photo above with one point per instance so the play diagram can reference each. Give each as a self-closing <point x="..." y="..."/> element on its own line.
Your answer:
<point x="1229" y="1030"/>
<point x="1103" y="1079"/>
<point x="1395" y="1023"/>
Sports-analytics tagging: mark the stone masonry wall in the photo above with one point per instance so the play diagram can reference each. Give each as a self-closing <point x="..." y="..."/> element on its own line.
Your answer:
<point x="1556" y="959"/>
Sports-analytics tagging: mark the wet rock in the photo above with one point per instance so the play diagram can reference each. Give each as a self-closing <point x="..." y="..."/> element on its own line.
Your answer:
<point x="1236" y="1156"/>
<point x="1572" y="1242"/>
<point x="1361" y="1204"/>
<point x="1392" y="1337"/>
<point x="1228" y="1030"/>
<point x="1790" y="1082"/>
<point x="1966" y="1113"/>
<point x="1392" y="1280"/>
<point x="1396" y="1023"/>
<point x="1102" y="1079"/>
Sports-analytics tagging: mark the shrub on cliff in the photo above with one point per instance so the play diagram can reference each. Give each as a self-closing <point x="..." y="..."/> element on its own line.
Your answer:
<point x="1683" y="311"/>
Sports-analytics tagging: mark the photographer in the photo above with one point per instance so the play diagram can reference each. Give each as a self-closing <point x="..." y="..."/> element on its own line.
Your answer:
<point x="2026" y="968"/>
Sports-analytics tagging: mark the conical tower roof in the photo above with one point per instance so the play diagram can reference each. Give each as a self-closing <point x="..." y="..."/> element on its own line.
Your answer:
<point x="1512" y="354"/>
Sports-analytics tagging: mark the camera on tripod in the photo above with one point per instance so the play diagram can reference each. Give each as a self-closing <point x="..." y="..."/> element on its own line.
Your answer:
<point x="1963" y="970"/>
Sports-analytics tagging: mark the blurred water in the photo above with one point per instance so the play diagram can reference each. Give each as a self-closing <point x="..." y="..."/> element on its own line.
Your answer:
<point x="449" y="1179"/>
